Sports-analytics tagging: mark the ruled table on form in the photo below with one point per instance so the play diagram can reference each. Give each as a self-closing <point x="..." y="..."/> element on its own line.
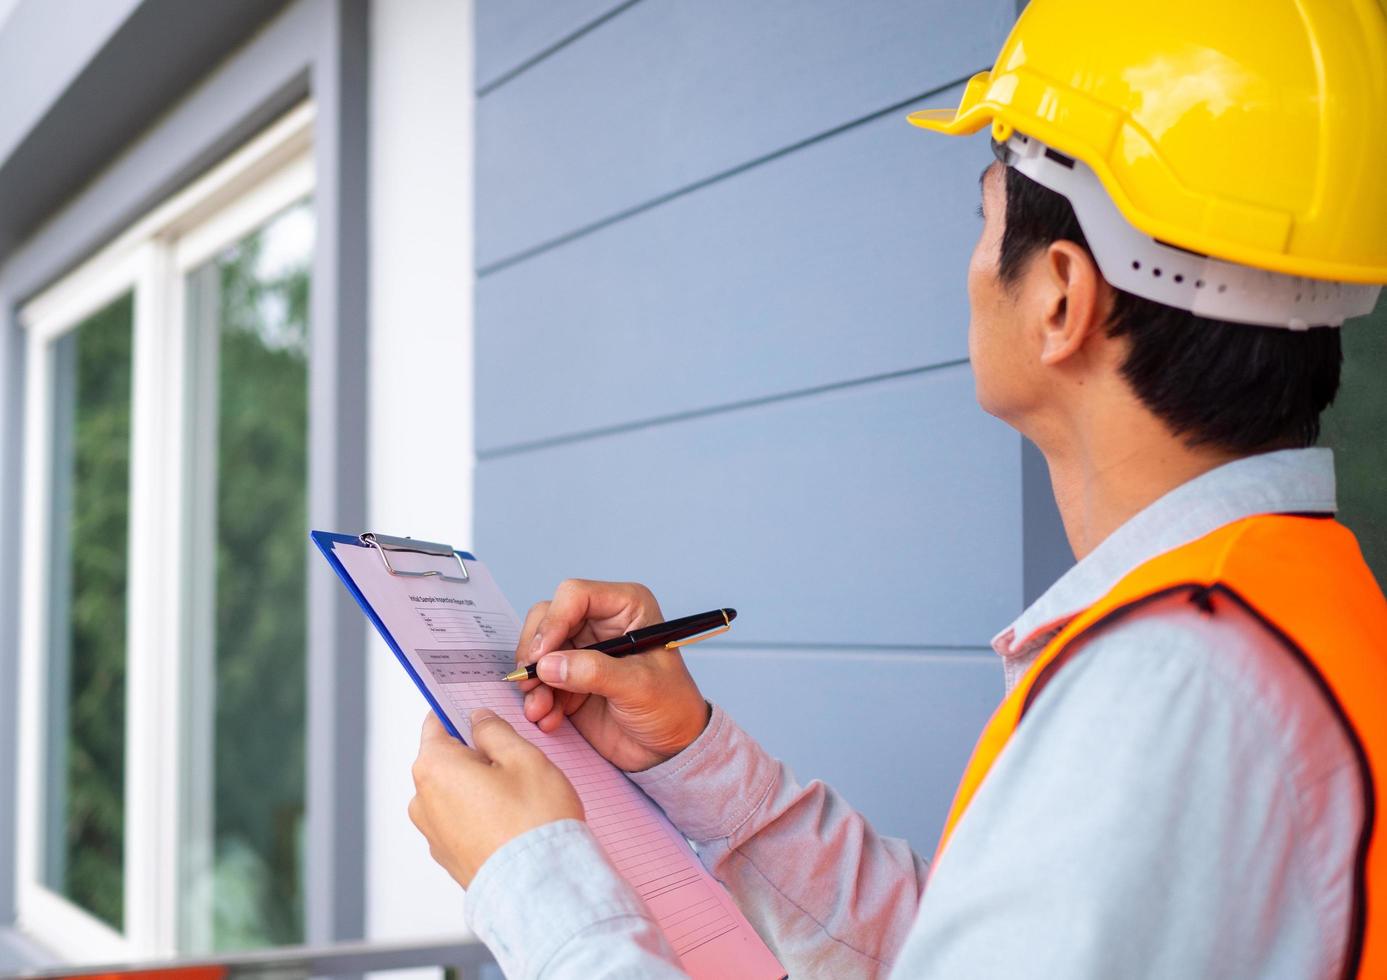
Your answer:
<point x="655" y="862"/>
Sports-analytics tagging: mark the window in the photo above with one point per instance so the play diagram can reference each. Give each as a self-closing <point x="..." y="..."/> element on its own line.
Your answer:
<point x="248" y="307"/>
<point x="83" y="814"/>
<point x="1354" y="427"/>
<point x="163" y="600"/>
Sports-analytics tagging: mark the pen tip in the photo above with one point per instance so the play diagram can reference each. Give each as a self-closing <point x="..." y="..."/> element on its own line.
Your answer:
<point x="519" y="674"/>
<point x="731" y="614"/>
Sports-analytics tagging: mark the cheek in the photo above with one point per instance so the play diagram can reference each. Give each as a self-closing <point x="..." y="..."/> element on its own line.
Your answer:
<point x="976" y="297"/>
<point x="985" y="346"/>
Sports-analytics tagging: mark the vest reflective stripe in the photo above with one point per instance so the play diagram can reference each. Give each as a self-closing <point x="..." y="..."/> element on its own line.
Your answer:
<point x="1306" y="580"/>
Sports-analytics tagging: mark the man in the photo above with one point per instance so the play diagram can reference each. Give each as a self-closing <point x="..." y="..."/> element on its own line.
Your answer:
<point x="1183" y="779"/>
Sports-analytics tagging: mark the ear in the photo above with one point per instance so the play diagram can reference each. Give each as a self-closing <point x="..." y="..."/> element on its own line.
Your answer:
<point x="1075" y="301"/>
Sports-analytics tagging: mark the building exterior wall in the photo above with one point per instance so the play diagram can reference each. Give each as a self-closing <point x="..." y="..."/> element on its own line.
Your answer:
<point x="722" y="349"/>
<point x="720" y="346"/>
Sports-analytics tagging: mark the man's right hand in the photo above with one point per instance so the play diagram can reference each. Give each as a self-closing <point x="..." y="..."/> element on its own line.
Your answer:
<point x="637" y="711"/>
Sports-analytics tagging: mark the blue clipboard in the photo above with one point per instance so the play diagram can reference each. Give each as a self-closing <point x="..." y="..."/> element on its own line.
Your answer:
<point x="326" y="540"/>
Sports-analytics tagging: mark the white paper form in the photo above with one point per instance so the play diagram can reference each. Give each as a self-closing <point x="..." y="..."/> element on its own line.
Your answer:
<point x="460" y="638"/>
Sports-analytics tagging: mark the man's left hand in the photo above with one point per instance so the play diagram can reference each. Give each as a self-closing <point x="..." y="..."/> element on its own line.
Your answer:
<point x="470" y="801"/>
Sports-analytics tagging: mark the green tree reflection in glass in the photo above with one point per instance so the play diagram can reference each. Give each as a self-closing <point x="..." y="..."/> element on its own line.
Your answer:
<point x="85" y="785"/>
<point x="1355" y="428"/>
<point x="262" y="287"/>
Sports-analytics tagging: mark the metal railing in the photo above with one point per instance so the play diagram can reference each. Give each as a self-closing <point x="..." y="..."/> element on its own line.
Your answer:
<point x="463" y="960"/>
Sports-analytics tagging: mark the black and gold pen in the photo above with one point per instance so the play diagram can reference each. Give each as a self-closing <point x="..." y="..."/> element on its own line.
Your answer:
<point x="675" y="633"/>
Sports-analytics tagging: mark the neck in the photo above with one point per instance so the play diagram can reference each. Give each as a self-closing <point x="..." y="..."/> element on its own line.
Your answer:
<point x="1104" y="478"/>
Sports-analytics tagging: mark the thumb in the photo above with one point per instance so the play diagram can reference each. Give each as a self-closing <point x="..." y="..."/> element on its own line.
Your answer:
<point x="434" y="732"/>
<point x="590" y="672"/>
<point x="494" y="738"/>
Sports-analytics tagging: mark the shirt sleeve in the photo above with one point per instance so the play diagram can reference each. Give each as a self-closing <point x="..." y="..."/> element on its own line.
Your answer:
<point x="1155" y="815"/>
<point x="550" y="906"/>
<point x="829" y="895"/>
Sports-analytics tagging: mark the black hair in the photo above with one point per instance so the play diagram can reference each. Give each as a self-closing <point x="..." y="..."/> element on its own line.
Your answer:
<point x="1232" y="386"/>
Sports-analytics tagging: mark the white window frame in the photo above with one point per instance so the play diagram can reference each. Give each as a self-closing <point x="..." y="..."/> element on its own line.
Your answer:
<point x="168" y="643"/>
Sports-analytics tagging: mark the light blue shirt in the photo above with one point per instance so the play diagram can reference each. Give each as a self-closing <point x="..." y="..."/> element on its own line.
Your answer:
<point x="1181" y="803"/>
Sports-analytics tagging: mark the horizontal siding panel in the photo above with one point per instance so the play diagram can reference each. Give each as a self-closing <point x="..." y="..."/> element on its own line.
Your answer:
<point x="671" y="92"/>
<point x="881" y="514"/>
<point x="511" y="32"/>
<point x="891" y="733"/>
<point x="845" y="260"/>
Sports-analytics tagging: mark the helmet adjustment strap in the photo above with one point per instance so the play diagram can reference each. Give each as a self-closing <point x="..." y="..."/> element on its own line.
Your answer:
<point x="1137" y="263"/>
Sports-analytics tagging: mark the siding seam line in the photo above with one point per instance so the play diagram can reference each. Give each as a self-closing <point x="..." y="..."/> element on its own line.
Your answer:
<point x="654" y="202"/>
<point x="550" y="442"/>
<point x="544" y="53"/>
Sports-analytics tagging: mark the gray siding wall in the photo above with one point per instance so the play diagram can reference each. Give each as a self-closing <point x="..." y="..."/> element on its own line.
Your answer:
<point x="722" y="349"/>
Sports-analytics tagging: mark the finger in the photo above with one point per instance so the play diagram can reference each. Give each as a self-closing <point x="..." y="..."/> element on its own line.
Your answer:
<point x="527" y="632"/>
<point x="610" y="608"/>
<point x="566" y="703"/>
<point x="435" y="743"/>
<point x="590" y="672"/>
<point x="498" y="741"/>
<point x="538" y="702"/>
<point x="552" y="719"/>
<point x="524" y="653"/>
<point x="434" y="732"/>
<point x="571" y="702"/>
<point x="436" y="760"/>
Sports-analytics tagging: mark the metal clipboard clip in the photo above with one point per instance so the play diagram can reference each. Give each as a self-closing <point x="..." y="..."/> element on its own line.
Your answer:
<point x="385" y="544"/>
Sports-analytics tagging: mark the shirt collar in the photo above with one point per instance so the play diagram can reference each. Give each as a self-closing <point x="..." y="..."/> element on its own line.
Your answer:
<point x="1288" y="481"/>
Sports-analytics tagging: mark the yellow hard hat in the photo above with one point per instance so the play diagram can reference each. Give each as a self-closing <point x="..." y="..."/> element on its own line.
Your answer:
<point x="1252" y="131"/>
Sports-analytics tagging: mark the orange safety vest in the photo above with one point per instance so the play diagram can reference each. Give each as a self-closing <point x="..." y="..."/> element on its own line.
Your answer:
<point x="1304" y="578"/>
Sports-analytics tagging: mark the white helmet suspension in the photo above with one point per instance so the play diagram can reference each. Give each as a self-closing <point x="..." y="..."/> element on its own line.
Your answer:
<point x="1137" y="263"/>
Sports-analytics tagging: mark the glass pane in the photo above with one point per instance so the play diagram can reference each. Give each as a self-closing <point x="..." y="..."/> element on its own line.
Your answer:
<point x="85" y="764"/>
<point x="250" y="306"/>
<point x="1355" y="427"/>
